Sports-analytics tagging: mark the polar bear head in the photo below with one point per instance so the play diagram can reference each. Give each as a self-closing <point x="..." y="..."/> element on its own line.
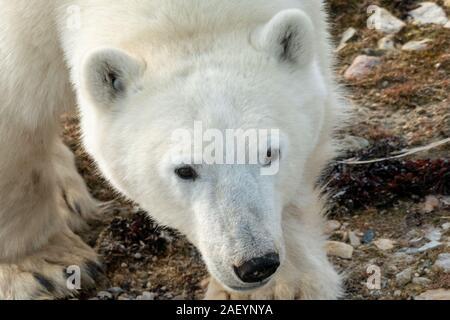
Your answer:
<point x="249" y="79"/>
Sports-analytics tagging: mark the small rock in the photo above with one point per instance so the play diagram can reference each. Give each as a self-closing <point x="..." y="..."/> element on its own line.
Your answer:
<point x="404" y="277"/>
<point x="431" y="204"/>
<point x="439" y="294"/>
<point x="384" y="244"/>
<point x="434" y="234"/>
<point x="428" y="13"/>
<point x="361" y="66"/>
<point x="331" y="226"/>
<point x="368" y="236"/>
<point x="148" y="296"/>
<point x="421" y="281"/>
<point x="386" y="43"/>
<point x="349" y="34"/>
<point x="105" y="295"/>
<point x="402" y="258"/>
<point x="339" y="249"/>
<point x="354" y="239"/>
<point x="384" y="21"/>
<point x="416" y="45"/>
<point x="429" y="246"/>
<point x="443" y="263"/>
<point x="346" y="37"/>
<point x="124" y="265"/>
<point x="138" y="256"/>
<point x="116" y="291"/>
<point x="446" y="226"/>
<point x="397" y="293"/>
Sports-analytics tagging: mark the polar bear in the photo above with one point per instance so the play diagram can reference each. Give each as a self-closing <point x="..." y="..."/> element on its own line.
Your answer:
<point x="137" y="71"/>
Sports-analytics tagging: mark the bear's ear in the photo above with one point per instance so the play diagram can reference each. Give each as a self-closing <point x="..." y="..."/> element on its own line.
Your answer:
<point x="288" y="36"/>
<point x="108" y="74"/>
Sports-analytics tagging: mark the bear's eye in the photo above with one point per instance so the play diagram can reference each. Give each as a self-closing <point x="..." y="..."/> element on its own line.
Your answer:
<point x="272" y="155"/>
<point x="268" y="160"/>
<point x="186" y="173"/>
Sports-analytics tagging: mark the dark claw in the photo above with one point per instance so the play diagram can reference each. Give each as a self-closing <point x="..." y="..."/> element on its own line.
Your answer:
<point x="45" y="282"/>
<point x="64" y="195"/>
<point x="78" y="209"/>
<point x="94" y="269"/>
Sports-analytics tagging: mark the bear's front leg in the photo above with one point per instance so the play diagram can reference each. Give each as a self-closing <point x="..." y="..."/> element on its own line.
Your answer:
<point x="306" y="272"/>
<point x="38" y="180"/>
<point x="38" y="251"/>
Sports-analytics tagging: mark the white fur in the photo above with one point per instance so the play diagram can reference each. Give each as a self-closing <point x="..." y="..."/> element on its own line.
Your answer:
<point x="178" y="61"/>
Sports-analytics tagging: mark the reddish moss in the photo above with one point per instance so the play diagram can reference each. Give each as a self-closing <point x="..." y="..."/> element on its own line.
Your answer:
<point x="383" y="183"/>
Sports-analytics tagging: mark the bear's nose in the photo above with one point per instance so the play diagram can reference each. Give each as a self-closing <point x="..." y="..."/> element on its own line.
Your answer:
<point x="258" y="269"/>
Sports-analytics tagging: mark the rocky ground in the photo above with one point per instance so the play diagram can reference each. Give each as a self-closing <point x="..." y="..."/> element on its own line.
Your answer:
<point x="390" y="220"/>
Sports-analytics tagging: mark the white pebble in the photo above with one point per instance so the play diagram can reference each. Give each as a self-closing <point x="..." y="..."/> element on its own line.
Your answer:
<point x="384" y="244"/>
<point x="339" y="249"/>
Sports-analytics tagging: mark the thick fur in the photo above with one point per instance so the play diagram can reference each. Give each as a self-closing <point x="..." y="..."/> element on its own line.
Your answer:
<point x="139" y="71"/>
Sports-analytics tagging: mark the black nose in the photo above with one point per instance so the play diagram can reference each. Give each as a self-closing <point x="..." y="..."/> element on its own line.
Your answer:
<point x="258" y="269"/>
